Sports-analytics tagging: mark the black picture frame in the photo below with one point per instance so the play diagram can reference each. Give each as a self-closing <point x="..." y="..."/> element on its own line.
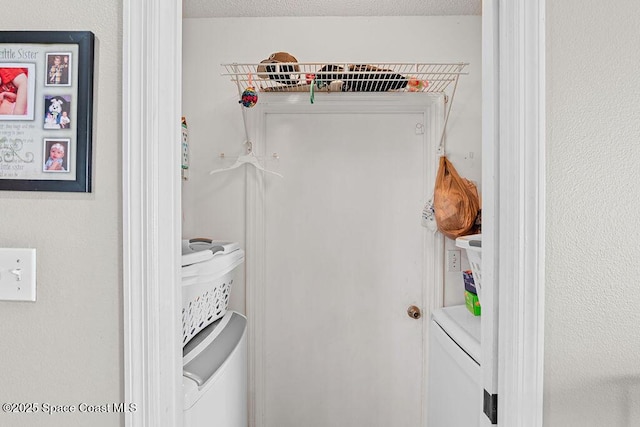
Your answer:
<point x="59" y="68"/>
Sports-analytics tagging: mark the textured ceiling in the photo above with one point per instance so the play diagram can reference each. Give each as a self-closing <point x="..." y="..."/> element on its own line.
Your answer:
<point x="242" y="8"/>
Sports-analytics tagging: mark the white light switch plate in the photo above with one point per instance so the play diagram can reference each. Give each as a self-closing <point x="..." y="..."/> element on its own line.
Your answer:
<point x="17" y="274"/>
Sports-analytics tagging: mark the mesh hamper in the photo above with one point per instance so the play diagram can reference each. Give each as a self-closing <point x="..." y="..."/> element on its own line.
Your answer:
<point x="208" y="270"/>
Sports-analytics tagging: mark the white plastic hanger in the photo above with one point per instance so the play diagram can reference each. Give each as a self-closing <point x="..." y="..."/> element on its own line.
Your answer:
<point x="246" y="159"/>
<point x="249" y="158"/>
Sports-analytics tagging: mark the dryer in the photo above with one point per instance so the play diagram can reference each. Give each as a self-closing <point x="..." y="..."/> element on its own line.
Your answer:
<point x="215" y="374"/>
<point x="455" y="378"/>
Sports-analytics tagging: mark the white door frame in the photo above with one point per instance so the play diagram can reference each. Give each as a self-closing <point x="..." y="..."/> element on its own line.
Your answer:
<point x="513" y="195"/>
<point x="151" y="92"/>
<point x="513" y="176"/>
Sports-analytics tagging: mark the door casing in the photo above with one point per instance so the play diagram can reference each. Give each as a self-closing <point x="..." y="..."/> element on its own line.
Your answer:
<point x="513" y="206"/>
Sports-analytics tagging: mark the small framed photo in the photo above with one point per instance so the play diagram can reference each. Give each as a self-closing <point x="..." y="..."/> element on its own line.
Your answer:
<point x="46" y="110"/>
<point x="57" y="112"/>
<point x="58" y="69"/>
<point x="56" y="153"/>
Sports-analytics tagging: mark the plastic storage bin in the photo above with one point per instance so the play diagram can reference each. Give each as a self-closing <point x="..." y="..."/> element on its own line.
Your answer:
<point x="473" y="246"/>
<point x="208" y="270"/>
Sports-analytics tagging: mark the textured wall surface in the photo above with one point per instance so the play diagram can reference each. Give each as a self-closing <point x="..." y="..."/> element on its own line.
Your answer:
<point x="66" y="348"/>
<point x="592" y="369"/>
<point x="261" y="8"/>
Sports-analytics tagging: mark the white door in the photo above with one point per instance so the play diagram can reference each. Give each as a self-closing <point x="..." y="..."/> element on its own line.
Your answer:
<point x="345" y="255"/>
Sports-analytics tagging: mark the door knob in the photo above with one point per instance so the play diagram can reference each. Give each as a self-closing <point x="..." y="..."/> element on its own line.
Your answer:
<point x="414" y="312"/>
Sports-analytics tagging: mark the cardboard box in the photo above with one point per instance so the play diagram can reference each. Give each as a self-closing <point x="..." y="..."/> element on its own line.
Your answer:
<point x="472" y="302"/>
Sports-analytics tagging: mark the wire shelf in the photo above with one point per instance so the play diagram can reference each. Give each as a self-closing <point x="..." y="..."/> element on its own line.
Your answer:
<point x="345" y="77"/>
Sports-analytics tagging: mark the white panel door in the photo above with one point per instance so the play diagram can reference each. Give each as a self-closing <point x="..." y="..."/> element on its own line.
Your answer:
<point x="344" y="257"/>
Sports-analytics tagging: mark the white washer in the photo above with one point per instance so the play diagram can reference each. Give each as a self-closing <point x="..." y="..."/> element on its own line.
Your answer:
<point x="455" y="379"/>
<point x="215" y="374"/>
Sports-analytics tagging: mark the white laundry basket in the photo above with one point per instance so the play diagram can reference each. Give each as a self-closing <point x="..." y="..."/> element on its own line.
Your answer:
<point x="208" y="271"/>
<point x="473" y="246"/>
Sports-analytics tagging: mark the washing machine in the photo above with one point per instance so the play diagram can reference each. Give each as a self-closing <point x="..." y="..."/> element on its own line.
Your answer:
<point x="214" y="340"/>
<point x="455" y="393"/>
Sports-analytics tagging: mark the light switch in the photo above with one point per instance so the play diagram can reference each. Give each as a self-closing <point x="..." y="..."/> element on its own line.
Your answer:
<point x="17" y="274"/>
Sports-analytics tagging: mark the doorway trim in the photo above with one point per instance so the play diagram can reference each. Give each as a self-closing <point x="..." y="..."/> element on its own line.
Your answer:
<point x="151" y="102"/>
<point x="514" y="202"/>
<point x="513" y="179"/>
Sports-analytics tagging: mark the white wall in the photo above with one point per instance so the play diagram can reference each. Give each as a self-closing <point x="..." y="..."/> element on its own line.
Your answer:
<point x="66" y="348"/>
<point x="214" y="205"/>
<point x="592" y="367"/>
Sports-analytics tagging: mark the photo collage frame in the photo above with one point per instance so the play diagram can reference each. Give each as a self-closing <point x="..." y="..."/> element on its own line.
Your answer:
<point x="46" y="108"/>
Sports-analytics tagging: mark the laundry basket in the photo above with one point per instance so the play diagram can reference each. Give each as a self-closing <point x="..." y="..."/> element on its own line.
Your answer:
<point x="208" y="271"/>
<point x="473" y="246"/>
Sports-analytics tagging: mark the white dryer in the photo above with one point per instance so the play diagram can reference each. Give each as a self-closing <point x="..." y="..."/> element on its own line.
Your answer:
<point x="215" y="374"/>
<point x="455" y="379"/>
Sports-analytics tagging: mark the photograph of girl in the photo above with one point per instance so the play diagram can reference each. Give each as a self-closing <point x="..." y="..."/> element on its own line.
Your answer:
<point x="13" y="90"/>
<point x="55" y="151"/>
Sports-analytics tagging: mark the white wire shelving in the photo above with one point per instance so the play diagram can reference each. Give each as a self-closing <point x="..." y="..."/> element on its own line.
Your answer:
<point x="345" y="77"/>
